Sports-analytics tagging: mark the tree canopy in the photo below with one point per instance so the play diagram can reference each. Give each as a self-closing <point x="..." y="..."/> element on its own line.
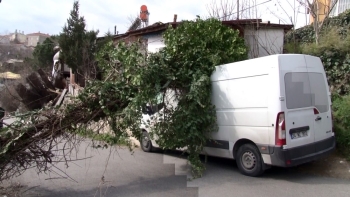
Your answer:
<point x="77" y="43"/>
<point x="43" y="53"/>
<point x="185" y="64"/>
<point x="133" y="77"/>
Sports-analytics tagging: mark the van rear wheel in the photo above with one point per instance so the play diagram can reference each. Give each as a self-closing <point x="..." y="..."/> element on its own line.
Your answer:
<point x="249" y="160"/>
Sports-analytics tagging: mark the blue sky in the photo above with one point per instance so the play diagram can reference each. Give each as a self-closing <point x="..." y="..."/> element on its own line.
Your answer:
<point x="49" y="16"/>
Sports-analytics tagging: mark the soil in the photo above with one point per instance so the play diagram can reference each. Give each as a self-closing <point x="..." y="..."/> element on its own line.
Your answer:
<point x="335" y="166"/>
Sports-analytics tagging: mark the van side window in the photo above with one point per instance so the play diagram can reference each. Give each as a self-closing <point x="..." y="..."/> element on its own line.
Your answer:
<point x="297" y="88"/>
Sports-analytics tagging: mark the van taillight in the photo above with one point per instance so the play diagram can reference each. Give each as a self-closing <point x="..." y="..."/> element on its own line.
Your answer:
<point x="280" y="130"/>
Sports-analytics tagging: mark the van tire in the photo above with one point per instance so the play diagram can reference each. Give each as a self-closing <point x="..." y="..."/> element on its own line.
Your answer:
<point x="249" y="160"/>
<point x="145" y="142"/>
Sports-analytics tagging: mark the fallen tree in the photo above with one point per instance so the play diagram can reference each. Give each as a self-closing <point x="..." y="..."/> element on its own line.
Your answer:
<point x="132" y="79"/>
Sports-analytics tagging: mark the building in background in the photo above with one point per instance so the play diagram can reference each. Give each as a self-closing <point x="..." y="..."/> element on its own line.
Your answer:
<point x="325" y="5"/>
<point x="4" y="39"/>
<point x="340" y="7"/>
<point x="18" y="37"/>
<point x="35" y="38"/>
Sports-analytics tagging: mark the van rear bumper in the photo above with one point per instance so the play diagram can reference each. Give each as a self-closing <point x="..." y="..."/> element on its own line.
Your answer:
<point x="302" y="154"/>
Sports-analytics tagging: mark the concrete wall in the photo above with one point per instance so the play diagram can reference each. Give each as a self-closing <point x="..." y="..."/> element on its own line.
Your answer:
<point x="263" y="42"/>
<point x="155" y="42"/>
<point x="21" y="38"/>
<point x="35" y="39"/>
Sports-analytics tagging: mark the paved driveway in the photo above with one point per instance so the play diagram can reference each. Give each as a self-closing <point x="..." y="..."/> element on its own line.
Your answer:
<point x="157" y="174"/>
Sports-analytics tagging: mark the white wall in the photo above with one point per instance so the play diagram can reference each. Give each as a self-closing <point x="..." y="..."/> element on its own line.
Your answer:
<point x="21" y="38"/>
<point x="263" y="42"/>
<point x="155" y="42"/>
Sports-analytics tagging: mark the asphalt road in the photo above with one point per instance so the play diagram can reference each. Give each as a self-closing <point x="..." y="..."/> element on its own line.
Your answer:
<point x="158" y="174"/>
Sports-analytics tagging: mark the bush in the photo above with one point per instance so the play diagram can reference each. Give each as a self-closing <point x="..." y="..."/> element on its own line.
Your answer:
<point x="341" y="107"/>
<point x="334" y="52"/>
<point x="306" y="34"/>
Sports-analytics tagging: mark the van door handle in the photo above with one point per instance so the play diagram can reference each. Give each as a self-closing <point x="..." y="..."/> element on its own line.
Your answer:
<point x="318" y="118"/>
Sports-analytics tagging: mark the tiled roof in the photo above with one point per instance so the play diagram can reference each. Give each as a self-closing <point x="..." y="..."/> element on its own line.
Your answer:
<point x="38" y="34"/>
<point x="234" y="23"/>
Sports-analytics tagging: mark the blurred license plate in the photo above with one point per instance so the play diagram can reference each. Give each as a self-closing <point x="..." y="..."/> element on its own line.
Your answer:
<point x="299" y="134"/>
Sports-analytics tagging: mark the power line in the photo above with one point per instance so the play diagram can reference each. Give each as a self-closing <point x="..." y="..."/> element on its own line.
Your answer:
<point x="244" y="9"/>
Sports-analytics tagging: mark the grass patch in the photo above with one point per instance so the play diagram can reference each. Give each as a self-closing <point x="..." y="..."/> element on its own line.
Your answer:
<point x="342" y="137"/>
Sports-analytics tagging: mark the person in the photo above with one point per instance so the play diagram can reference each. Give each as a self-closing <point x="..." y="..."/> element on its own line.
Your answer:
<point x="2" y="115"/>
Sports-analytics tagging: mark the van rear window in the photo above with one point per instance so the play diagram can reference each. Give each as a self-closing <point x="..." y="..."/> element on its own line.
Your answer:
<point x="319" y="92"/>
<point x="306" y="90"/>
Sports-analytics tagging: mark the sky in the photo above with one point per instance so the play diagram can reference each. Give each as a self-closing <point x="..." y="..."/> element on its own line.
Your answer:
<point x="49" y="16"/>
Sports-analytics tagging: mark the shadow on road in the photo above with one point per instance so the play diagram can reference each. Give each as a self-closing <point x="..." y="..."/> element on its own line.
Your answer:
<point x="296" y="174"/>
<point x="164" y="186"/>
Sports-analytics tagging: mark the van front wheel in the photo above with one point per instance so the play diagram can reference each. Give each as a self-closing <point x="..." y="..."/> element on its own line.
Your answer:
<point x="249" y="161"/>
<point x="146" y="144"/>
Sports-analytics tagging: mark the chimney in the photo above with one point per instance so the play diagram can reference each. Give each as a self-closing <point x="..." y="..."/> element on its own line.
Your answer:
<point x="175" y="18"/>
<point x="115" y="30"/>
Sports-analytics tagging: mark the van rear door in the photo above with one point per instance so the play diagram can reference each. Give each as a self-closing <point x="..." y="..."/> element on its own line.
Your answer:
<point x="321" y="99"/>
<point x="298" y="108"/>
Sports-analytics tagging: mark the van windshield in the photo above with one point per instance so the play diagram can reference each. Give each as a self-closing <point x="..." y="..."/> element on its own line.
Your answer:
<point x="306" y="90"/>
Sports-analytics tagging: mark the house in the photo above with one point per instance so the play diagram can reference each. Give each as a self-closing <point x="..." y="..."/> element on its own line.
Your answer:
<point x="262" y="38"/>
<point x="324" y="8"/>
<point x="4" y="39"/>
<point x="18" y="37"/>
<point x="35" y="38"/>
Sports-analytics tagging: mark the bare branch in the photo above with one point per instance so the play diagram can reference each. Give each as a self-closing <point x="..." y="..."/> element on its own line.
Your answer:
<point x="223" y="10"/>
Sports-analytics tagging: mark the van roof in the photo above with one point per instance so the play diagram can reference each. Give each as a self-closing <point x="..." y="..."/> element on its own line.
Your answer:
<point x="256" y="66"/>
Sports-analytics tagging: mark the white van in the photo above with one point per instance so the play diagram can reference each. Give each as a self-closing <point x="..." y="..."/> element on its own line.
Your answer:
<point x="271" y="111"/>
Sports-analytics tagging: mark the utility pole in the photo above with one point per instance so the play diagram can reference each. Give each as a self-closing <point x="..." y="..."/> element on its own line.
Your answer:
<point x="237" y="9"/>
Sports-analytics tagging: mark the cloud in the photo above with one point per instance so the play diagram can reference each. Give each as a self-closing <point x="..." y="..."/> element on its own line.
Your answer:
<point x="49" y="16"/>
